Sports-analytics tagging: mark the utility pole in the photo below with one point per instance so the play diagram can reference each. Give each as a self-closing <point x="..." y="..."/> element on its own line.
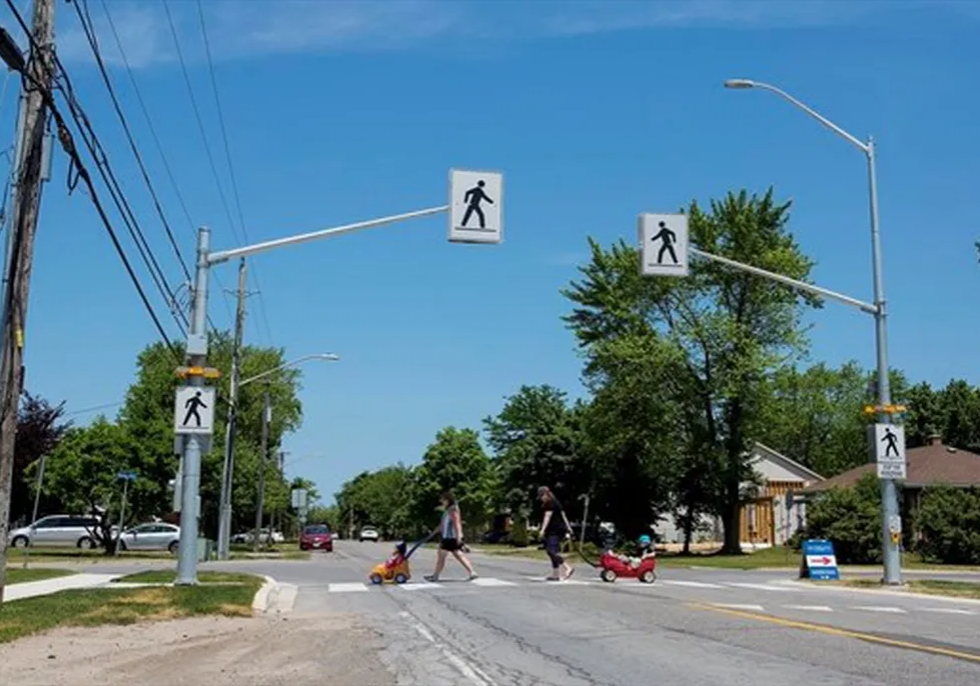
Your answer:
<point x="260" y="501"/>
<point x="228" y="471"/>
<point x="30" y="174"/>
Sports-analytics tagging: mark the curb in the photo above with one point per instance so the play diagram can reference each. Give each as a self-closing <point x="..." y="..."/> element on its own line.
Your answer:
<point x="881" y="591"/>
<point x="260" y="604"/>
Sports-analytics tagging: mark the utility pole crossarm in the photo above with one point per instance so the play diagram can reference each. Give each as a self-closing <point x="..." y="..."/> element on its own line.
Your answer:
<point x="225" y="255"/>
<point x="799" y="285"/>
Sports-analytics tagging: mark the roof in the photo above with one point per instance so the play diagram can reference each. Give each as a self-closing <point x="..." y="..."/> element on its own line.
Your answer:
<point x="929" y="465"/>
<point x="789" y="463"/>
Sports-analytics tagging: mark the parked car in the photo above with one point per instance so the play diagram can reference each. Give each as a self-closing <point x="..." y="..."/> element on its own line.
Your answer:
<point x="247" y="536"/>
<point x="151" y="536"/>
<point x="316" y="537"/>
<point x="57" y="531"/>
<point x="369" y="533"/>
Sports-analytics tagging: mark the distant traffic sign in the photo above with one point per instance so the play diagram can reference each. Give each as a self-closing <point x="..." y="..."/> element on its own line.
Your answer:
<point x="194" y="410"/>
<point x="476" y="206"/>
<point x="889" y="449"/>
<point x="663" y="244"/>
<point x="126" y="476"/>
<point x="819" y="561"/>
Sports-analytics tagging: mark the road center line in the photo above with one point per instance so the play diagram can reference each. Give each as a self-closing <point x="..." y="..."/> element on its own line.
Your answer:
<point x="844" y="633"/>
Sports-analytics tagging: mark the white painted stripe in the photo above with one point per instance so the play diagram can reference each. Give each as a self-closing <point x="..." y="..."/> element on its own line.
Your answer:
<point x="879" y="608"/>
<point x="567" y="582"/>
<point x="418" y="586"/>
<point x="759" y="587"/>
<point x="490" y="581"/>
<point x="692" y="584"/>
<point x="757" y="608"/>
<point x="948" y="610"/>
<point x="349" y="587"/>
<point x="473" y="674"/>
<point x="809" y="608"/>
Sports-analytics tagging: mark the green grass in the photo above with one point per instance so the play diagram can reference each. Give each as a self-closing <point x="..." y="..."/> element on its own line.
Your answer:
<point x="954" y="589"/>
<point x="123" y="606"/>
<point x="166" y="576"/>
<point x="18" y="575"/>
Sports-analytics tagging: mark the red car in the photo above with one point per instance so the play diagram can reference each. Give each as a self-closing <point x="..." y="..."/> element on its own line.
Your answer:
<point x="316" y="537"/>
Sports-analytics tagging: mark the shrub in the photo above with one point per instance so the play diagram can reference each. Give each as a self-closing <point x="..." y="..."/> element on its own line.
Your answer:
<point x="851" y="519"/>
<point x="518" y="533"/>
<point x="948" y="525"/>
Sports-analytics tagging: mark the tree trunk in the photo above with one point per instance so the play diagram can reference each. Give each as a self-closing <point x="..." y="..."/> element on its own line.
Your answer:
<point x="688" y="529"/>
<point x="732" y="520"/>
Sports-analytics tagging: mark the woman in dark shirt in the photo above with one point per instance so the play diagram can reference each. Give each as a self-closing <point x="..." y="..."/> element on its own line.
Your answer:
<point x="554" y="528"/>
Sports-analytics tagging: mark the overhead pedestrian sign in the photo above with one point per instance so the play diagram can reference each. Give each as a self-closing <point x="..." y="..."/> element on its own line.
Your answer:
<point x="819" y="561"/>
<point x="476" y="200"/>
<point x="889" y="449"/>
<point x="663" y="244"/>
<point x="194" y="410"/>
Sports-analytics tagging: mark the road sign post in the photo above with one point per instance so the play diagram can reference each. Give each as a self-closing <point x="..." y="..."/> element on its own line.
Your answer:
<point x="125" y="477"/>
<point x="663" y="242"/>
<point x="483" y="225"/>
<point x="476" y="200"/>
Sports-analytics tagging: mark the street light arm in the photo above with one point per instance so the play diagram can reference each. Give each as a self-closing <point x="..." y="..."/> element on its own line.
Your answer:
<point x="329" y="357"/>
<point x="816" y="115"/>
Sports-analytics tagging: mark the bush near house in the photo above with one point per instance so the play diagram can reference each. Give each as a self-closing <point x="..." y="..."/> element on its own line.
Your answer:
<point x="947" y="524"/>
<point x="851" y="518"/>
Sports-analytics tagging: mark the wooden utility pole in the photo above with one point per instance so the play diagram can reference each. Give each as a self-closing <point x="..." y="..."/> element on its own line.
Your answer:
<point x="40" y="66"/>
<point x="228" y="470"/>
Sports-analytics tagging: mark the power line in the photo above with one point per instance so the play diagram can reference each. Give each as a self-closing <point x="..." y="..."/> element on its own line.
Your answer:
<point x="94" y="45"/>
<point x="231" y="168"/>
<point x="68" y="144"/>
<point x="157" y="143"/>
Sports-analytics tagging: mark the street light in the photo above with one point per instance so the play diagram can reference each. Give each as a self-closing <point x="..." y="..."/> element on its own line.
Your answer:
<point x="228" y="469"/>
<point x="889" y="495"/>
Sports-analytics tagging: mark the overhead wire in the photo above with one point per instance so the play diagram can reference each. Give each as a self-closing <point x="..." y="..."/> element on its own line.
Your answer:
<point x="231" y="167"/>
<point x="159" y="145"/>
<point x="67" y="141"/>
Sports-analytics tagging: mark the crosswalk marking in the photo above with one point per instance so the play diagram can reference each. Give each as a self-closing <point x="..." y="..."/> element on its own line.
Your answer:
<point x="347" y="587"/>
<point x="879" y="608"/>
<point x="417" y="586"/>
<point x="760" y="587"/>
<point x="948" y="610"/>
<point x="692" y="584"/>
<point x="566" y="582"/>
<point x="492" y="582"/>
<point x="810" y="608"/>
<point x="736" y="606"/>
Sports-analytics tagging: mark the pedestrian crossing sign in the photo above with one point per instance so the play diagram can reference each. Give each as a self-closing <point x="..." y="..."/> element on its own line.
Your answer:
<point x="194" y="410"/>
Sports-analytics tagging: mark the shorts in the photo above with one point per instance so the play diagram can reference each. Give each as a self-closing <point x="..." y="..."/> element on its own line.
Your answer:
<point x="450" y="545"/>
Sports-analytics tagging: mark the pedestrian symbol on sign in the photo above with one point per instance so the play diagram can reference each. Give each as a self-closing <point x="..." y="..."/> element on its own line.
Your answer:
<point x="474" y="196"/>
<point x="193" y="404"/>
<point x="667" y="237"/>
<point x="892" y="440"/>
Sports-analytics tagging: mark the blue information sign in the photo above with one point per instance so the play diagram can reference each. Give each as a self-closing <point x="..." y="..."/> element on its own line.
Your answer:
<point x="126" y="476"/>
<point x="819" y="560"/>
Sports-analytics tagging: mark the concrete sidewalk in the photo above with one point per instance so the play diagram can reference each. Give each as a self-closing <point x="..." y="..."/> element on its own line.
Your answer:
<point x="33" y="589"/>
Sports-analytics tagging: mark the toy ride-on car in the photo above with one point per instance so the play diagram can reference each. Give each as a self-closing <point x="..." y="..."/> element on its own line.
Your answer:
<point x="394" y="569"/>
<point x="613" y="567"/>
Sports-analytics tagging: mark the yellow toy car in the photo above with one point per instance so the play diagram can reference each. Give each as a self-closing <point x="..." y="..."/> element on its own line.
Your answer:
<point x="393" y="570"/>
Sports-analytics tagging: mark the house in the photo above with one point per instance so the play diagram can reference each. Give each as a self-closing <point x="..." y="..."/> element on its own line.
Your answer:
<point x="929" y="465"/>
<point x="774" y="513"/>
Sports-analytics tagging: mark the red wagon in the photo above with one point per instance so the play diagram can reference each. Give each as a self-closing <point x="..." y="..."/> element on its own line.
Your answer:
<point x="612" y="568"/>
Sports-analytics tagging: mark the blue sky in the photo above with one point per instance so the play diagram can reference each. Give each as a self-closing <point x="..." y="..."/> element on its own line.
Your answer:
<point x="595" y="111"/>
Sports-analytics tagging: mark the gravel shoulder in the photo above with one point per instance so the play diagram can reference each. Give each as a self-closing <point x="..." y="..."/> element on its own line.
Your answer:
<point x="218" y="651"/>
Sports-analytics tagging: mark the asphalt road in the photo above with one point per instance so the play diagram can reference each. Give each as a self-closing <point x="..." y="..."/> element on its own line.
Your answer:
<point x="692" y="627"/>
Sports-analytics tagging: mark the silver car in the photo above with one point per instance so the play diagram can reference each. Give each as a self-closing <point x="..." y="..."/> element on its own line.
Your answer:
<point x="57" y="531"/>
<point x="151" y="536"/>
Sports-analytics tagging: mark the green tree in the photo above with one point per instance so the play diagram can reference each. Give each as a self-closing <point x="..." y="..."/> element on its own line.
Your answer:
<point x="81" y="473"/>
<point x="147" y="417"/>
<point x="948" y="522"/>
<point x="817" y="417"/>
<point x="924" y="416"/>
<point x="455" y="461"/>
<point x="851" y="519"/>
<point x="536" y="440"/>
<point x="381" y="499"/>
<point x="729" y="331"/>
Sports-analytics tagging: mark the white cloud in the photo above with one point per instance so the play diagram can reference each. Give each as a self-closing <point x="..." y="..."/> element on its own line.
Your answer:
<point x="253" y="28"/>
